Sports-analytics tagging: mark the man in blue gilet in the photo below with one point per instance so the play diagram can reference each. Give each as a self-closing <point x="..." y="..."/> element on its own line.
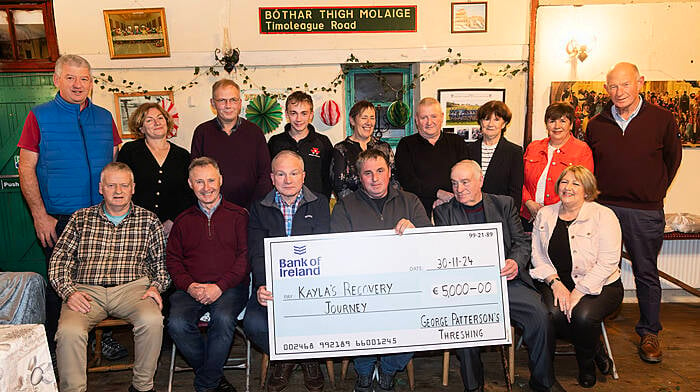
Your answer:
<point x="65" y="143"/>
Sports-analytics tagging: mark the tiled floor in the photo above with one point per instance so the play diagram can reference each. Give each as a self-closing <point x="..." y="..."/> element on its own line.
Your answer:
<point x="679" y="371"/>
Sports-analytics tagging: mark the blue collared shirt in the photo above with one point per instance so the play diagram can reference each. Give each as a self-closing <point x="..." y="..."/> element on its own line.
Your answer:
<point x="621" y="121"/>
<point x="288" y="211"/>
<point x="209" y="212"/>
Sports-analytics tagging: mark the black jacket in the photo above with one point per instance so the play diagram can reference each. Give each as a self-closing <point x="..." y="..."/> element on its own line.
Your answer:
<point x="505" y="174"/>
<point x="317" y="152"/>
<point x="266" y="221"/>
<point x="497" y="208"/>
<point x="357" y="212"/>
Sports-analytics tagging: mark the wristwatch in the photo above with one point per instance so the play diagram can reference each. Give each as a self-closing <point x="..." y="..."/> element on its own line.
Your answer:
<point x="551" y="282"/>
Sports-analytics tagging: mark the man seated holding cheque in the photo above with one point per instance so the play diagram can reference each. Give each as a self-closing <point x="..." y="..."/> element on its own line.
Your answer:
<point x="469" y="206"/>
<point x="289" y="209"/>
<point x="109" y="261"/>
<point x="378" y="206"/>
<point x="207" y="259"/>
<point x="575" y="256"/>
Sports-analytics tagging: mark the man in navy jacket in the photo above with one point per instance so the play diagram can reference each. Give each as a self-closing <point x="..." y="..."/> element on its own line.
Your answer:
<point x="289" y="209"/>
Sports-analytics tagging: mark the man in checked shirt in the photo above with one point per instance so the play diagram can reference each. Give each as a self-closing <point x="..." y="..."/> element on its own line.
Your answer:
<point x="110" y="261"/>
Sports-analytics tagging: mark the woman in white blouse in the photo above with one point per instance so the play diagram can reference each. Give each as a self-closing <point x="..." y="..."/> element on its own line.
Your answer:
<point x="576" y="246"/>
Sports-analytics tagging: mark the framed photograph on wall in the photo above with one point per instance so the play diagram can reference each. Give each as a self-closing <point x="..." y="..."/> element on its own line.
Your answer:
<point x="469" y="17"/>
<point x="460" y="106"/>
<point x="126" y="104"/>
<point x="137" y="33"/>
<point x="680" y="97"/>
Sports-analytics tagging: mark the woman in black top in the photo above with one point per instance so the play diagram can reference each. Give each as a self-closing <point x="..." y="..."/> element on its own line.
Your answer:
<point x="160" y="167"/>
<point x="500" y="160"/>
<point x="343" y="172"/>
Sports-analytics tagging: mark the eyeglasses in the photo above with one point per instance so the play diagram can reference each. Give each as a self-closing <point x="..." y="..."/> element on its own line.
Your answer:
<point x="232" y="101"/>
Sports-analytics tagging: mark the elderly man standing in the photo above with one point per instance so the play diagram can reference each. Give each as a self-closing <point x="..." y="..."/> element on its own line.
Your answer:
<point x="207" y="258"/>
<point x="637" y="150"/>
<point x="289" y="209"/>
<point x="237" y="145"/>
<point x="423" y="160"/>
<point x="377" y="206"/>
<point x="527" y="311"/>
<point x="69" y="139"/>
<point x="109" y="261"/>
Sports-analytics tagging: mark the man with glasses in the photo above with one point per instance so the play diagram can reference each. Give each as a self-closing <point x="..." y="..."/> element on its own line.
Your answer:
<point x="236" y="144"/>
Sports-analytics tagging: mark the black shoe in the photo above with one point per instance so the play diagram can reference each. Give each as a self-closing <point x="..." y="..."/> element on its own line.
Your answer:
<point x="477" y="389"/>
<point x="363" y="383"/>
<point x="587" y="380"/>
<point x="132" y="389"/>
<point x="225" y="386"/>
<point x="111" y="349"/>
<point x="280" y="372"/>
<point x="603" y="361"/>
<point x="386" y="381"/>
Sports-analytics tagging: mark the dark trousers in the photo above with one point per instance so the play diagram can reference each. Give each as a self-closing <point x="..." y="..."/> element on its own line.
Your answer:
<point x="643" y="235"/>
<point x="53" y="301"/>
<point x="584" y="329"/>
<point x="255" y="324"/>
<point x="528" y="313"/>
<point x="206" y="356"/>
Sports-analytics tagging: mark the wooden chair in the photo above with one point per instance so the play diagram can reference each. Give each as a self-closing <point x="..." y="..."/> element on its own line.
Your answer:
<point x="95" y="365"/>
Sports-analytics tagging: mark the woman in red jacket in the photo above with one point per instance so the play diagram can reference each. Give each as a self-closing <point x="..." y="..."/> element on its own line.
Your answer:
<point x="545" y="160"/>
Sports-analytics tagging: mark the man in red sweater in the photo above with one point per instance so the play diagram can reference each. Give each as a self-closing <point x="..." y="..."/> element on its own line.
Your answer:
<point x="207" y="258"/>
<point x="237" y="144"/>
<point x="637" y="151"/>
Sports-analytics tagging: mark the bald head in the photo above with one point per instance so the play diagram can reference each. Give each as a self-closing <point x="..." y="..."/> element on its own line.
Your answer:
<point x="467" y="178"/>
<point x="623" y="83"/>
<point x="623" y="67"/>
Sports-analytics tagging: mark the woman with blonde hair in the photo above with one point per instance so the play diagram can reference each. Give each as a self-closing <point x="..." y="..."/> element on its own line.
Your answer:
<point x="576" y="245"/>
<point x="159" y="166"/>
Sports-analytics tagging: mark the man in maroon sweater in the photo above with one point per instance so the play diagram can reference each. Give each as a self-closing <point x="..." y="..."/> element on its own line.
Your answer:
<point x="637" y="151"/>
<point x="207" y="258"/>
<point x="237" y="145"/>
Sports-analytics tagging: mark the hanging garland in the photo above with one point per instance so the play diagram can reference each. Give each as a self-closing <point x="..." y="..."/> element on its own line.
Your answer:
<point x="108" y="82"/>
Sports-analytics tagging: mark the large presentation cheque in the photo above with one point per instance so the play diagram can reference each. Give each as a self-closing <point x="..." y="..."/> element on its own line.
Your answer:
<point x="378" y="292"/>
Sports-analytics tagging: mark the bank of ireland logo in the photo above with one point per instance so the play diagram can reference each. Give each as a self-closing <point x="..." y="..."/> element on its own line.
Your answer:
<point x="298" y="264"/>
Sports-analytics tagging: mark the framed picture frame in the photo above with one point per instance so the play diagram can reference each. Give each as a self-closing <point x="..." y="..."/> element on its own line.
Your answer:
<point x="126" y="103"/>
<point x="469" y="17"/>
<point x="137" y="33"/>
<point x="460" y="105"/>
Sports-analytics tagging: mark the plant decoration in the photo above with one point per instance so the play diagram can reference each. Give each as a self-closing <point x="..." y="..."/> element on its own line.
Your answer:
<point x="265" y="112"/>
<point x="506" y="71"/>
<point x="111" y="84"/>
<point x="398" y="114"/>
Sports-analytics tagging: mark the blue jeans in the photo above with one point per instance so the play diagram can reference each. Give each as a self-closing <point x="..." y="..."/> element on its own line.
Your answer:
<point x="206" y="359"/>
<point x="255" y="324"/>
<point x="388" y="363"/>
